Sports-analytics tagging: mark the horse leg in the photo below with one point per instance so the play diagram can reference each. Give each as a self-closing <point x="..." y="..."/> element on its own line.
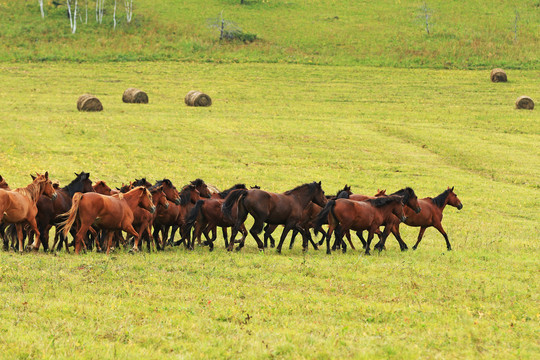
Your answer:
<point x="174" y="228"/>
<point x="33" y="225"/>
<point x="359" y="235"/>
<point x="348" y="234"/>
<point x="109" y="240"/>
<point x="328" y="237"/>
<point x="368" y="243"/>
<point x="420" y="235"/>
<point x="402" y="245"/>
<point x="224" y="232"/>
<point x="255" y="231"/>
<point x="293" y="237"/>
<point x="286" y="230"/>
<point x="20" y="236"/>
<point x="439" y="227"/>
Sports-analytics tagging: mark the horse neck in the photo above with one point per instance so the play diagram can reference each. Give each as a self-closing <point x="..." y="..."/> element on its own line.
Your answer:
<point x="304" y="195"/>
<point x="33" y="191"/>
<point x="132" y="198"/>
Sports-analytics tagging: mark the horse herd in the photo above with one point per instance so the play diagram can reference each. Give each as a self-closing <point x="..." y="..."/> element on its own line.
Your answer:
<point x="95" y="215"/>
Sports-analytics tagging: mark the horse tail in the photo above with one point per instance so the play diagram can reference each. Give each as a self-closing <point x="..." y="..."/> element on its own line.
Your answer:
<point x="71" y="214"/>
<point x="323" y="215"/>
<point x="193" y="214"/>
<point x="230" y="200"/>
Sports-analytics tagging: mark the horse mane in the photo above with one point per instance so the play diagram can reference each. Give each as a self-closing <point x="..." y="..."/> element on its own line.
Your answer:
<point x="385" y="200"/>
<point x="224" y="193"/>
<point x="185" y="194"/>
<point x="407" y="193"/>
<point x="440" y="199"/>
<point x="140" y="182"/>
<point x="155" y="188"/>
<point x="32" y="191"/>
<point x="197" y="182"/>
<point x="311" y="186"/>
<point x="164" y="182"/>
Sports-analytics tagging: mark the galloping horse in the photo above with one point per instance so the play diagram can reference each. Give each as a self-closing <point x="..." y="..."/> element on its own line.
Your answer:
<point x="276" y="209"/>
<point x="308" y="216"/>
<point x="48" y="210"/>
<point x="432" y="214"/>
<point x="107" y="212"/>
<point x="361" y="215"/>
<point x="19" y="206"/>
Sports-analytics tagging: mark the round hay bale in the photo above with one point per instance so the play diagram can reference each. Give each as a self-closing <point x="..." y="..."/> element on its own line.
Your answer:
<point x="135" y="96"/>
<point x="197" y="98"/>
<point x="498" y="75"/>
<point x="524" y="102"/>
<point x="89" y="102"/>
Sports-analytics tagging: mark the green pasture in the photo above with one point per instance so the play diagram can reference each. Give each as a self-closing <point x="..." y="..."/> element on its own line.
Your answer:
<point x="463" y="34"/>
<point x="279" y="126"/>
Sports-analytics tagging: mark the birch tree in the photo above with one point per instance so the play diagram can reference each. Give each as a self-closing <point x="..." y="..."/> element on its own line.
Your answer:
<point x="114" y="15"/>
<point x="41" y="8"/>
<point x="72" y="15"/>
<point x="100" y="6"/>
<point x="128" y="5"/>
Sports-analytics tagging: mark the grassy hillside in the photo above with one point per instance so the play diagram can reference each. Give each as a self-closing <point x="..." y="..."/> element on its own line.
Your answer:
<point x="472" y="34"/>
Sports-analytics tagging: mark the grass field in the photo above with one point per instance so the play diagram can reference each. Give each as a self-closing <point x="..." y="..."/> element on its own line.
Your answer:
<point x="279" y="126"/>
<point x="465" y="35"/>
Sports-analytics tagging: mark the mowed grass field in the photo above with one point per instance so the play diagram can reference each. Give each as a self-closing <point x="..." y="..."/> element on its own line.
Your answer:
<point x="279" y="126"/>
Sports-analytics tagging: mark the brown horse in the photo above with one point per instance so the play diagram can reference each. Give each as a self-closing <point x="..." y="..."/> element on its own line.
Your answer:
<point x="107" y="212"/>
<point x="206" y="216"/>
<point x="102" y="188"/>
<point x="202" y="188"/>
<point x="361" y="215"/>
<point x="48" y="210"/>
<point x="175" y="215"/>
<point x="19" y="206"/>
<point x="307" y="222"/>
<point x="412" y="205"/>
<point x="275" y="209"/>
<point x="432" y="214"/>
<point x="143" y="219"/>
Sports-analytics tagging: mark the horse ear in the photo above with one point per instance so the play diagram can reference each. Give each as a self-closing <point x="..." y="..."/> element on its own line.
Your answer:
<point x="46" y="174"/>
<point x="33" y="177"/>
<point x="452" y="188"/>
<point x="76" y="174"/>
<point x="320" y="182"/>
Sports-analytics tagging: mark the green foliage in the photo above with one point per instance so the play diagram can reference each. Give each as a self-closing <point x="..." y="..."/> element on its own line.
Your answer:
<point x="474" y="34"/>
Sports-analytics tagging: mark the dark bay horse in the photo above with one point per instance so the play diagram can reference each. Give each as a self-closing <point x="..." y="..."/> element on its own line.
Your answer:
<point x="307" y="222"/>
<point x="275" y="209"/>
<point x="106" y="212"/>
<point x="207" y="215"/>
<point x="202" y="188"/>
<point x="48" y="210"/>
<point x="432" y="214"/>
<point x="361" y="215"/>
<point x="223" y="194"/>
<point x="19" y="206"/>
<point x="175" y="215"/>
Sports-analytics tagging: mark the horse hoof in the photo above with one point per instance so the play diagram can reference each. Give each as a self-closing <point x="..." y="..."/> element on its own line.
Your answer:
<point x="278" y="251"/>
<point x="449" y="249"/>
<point x="316" y="248"/>
<point x="328" y="252"/>
<point x="211" y="249"/>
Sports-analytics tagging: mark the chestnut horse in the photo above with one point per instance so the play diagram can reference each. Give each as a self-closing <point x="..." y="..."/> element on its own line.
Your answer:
<point x="202" y="188"/>
<point x="19" y="206"/>
<point x="143" y="219"/>
<point x="48" y="210"/>
<point x="107" y="212"/>
<point x="361" y="215"/>
<point x="102" y="188"/>
<point x="432" y="214"/>
<point x="275" y="209"/>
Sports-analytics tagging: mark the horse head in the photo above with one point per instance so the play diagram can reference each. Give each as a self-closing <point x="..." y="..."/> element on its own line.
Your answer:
<point x="453" y="200"/>
<point x="202" y="188"/>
